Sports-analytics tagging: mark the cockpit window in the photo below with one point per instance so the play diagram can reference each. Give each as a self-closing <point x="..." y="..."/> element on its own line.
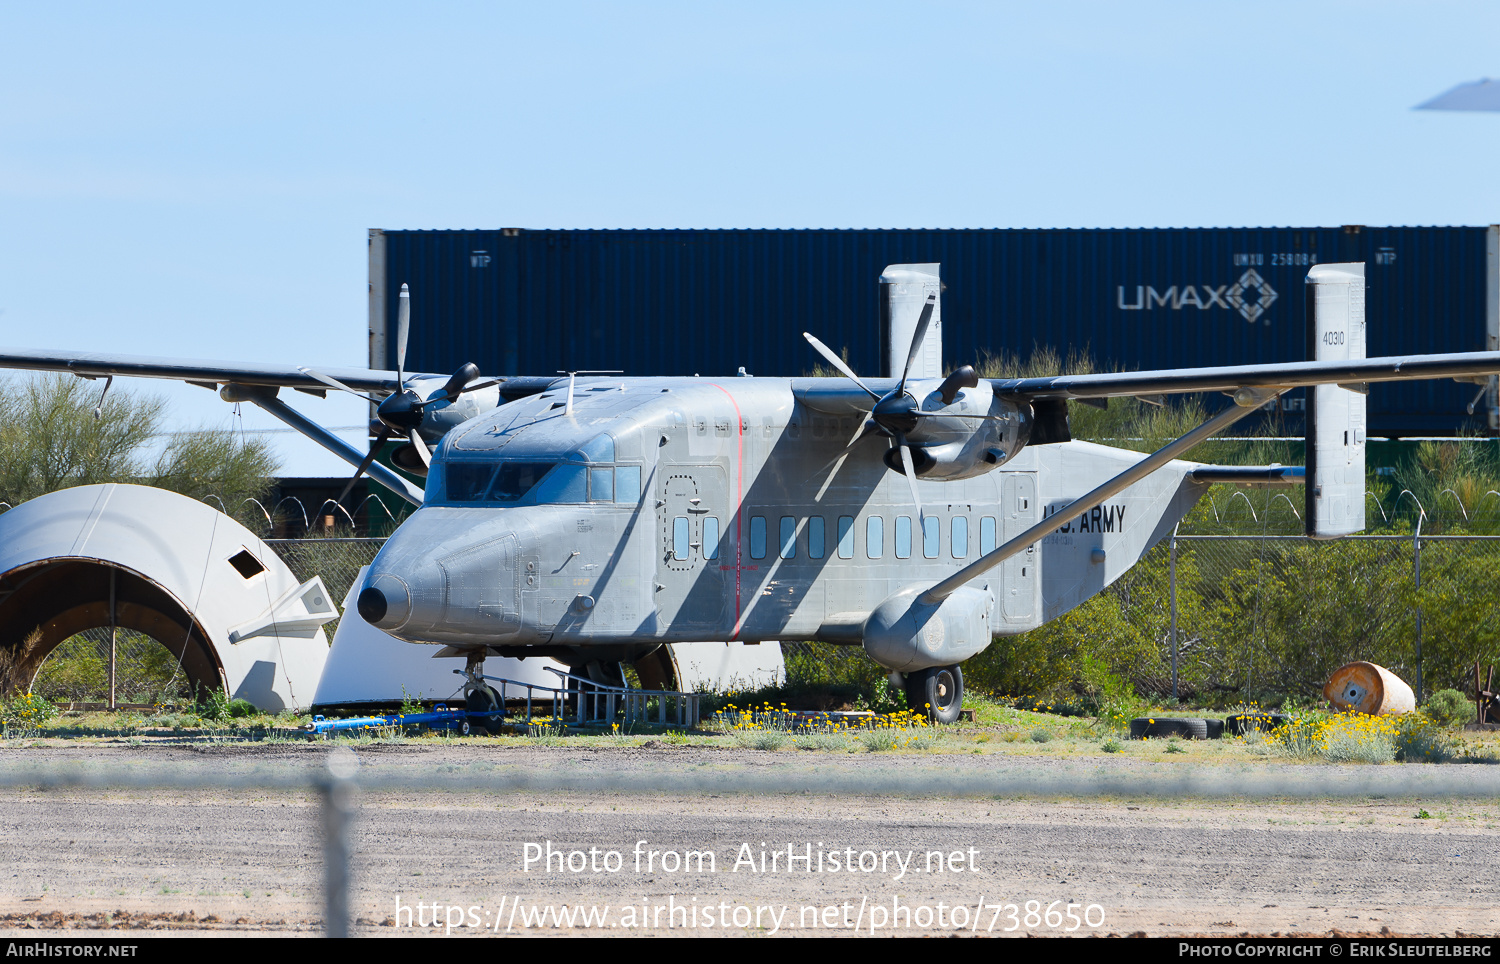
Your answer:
<point x="468" y="481"/>
<point x="515" y="479"/>
<point x="539" y="483"/>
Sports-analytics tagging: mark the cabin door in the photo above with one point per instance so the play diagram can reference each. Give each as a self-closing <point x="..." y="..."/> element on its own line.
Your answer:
<point x="690" y="548"/>
<point x="1018" y="573"/>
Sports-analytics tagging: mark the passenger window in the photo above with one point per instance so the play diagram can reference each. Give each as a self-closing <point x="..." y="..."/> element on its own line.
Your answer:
<point x="931" y="537"/>
<point x="628" y="484"/>
<point x="757" y="537"/>
<point x="710" y="538"/>
<point x="815" y="537"/>
<point x="903" y="537"/>
<point x="788" y="537"/>
<point x="875" y="537"/>
<point x="986" y="535"/>
<point x="846" y="537"/>
<point x="601" y="485"/>
<point x="680" y="538"/>
<point x="960" y="538"/>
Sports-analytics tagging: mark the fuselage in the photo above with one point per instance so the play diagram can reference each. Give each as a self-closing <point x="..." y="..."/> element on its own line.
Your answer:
<point x="661" y="510"/>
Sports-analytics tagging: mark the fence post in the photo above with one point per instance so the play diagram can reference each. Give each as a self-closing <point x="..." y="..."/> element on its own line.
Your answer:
<point x="338" y="790"/>
<point x="1416" y="565"/>
<point x="1172" y="597"/>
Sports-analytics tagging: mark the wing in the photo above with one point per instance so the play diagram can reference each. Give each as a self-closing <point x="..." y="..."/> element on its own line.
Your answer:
<point x="196" y="371"/>
<point x="1461" y="366"/>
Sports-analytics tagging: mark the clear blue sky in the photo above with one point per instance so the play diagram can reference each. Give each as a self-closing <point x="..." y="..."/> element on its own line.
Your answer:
<point x="197" y="179"/>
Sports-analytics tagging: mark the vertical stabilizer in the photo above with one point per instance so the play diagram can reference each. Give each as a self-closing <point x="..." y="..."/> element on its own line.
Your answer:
<point x="903" y="291"/>
<point x="1335" y="413"/>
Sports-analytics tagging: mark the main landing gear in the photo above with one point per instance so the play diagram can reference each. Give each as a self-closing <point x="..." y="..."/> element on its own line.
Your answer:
<point x="938" y="692"/>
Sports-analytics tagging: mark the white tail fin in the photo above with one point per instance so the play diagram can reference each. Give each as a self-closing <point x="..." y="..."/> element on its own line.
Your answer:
<point x="903" y="291"/>
<point x="1335" y="413"/>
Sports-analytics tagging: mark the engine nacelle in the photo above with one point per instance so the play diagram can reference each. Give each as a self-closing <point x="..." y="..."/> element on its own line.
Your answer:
<point x="953" y="447"/>
<point x="905" y="634"/>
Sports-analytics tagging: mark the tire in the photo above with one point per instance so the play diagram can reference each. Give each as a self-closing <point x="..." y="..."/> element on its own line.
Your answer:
<point x="1215" y="729"/>
<point x="478" y="700"/>
<point x="938" y="692"/>
<point x="1147" y="727"/>
<point x="482" y="699"/>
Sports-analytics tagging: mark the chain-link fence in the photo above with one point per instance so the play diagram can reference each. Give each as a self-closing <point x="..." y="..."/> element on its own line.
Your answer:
<point x="1259" y="617"/>
<point x="117" y="667"/>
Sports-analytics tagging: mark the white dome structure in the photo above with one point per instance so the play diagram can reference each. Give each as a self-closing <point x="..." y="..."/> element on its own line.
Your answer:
<point x="170" y="567"/>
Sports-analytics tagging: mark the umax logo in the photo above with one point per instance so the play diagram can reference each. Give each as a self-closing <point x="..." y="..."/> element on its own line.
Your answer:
<point x="1250" y="296"/>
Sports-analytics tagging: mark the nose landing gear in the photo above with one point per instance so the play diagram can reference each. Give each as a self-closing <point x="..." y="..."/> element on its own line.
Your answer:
<point x="480" y="697"/>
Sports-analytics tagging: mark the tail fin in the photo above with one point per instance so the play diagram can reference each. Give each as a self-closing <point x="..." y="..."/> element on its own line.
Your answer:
<point x="903" y="291"/>
<point x="1335" y="413"/>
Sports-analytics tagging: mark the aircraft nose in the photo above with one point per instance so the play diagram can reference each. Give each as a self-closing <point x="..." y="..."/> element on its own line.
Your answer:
<point x="385" y="603"/>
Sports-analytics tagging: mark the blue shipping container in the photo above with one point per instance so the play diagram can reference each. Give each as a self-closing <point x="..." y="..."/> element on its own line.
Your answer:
<point x="669" y="302"/>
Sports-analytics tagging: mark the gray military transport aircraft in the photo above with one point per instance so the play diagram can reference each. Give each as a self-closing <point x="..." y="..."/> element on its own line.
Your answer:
<point x="592" y="519"/>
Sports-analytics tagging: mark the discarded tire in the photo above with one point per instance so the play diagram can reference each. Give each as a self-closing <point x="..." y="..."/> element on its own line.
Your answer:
<point x="1242" y="723"/>
<point x="1190" y="729"/>
<point x="1215" y="729"/>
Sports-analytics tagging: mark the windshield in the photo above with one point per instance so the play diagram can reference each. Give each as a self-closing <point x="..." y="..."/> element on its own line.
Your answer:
<point x="539" y="483"/>
<point x="491" y="482"/>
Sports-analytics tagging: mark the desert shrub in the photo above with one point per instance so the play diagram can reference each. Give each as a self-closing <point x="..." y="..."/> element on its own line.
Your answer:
<point x="1448" y="708"/>
<point x="27" y="712"/>
<point x="1419" y="740"/>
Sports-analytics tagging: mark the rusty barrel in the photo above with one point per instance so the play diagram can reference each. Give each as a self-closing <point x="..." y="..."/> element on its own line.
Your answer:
<point x="1368" y="688"/>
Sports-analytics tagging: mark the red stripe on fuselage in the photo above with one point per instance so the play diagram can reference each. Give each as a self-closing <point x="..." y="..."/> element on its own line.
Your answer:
<point x="739" y="506"/>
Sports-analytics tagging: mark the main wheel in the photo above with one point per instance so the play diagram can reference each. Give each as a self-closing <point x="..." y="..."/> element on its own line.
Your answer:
<point x="938" y="692"/>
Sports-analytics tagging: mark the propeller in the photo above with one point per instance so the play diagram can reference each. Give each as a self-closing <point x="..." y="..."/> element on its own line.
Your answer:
<point x="400" y="412"/>
<point x="895" y="413"/>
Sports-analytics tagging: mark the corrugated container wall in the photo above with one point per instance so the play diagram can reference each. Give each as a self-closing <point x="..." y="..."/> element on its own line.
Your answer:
<point x="667" y="302"/>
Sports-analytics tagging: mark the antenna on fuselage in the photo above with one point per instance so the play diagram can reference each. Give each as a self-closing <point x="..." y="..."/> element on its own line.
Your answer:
<point x="573" y="378"/>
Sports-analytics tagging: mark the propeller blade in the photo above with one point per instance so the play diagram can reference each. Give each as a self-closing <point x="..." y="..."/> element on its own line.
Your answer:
<point x="332" y="382"/>
<point x="911" y="479"/>
<point x="403" y="325"/>
<point x="865" y="430"/>
<point x="453" y="396"/>
<point x="916" y="339"/>
<point x="421" y="447"/>
<point x="454" y="386"/>
<point x="838" y="363"/>
<point x="385" y="433"/>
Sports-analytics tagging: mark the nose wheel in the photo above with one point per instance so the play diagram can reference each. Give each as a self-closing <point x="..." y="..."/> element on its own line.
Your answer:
<point x="938" y="692"/>
<point x="480" y="697"/>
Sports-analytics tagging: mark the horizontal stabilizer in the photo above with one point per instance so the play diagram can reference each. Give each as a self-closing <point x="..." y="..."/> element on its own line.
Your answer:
<point x="1335" y="414"/>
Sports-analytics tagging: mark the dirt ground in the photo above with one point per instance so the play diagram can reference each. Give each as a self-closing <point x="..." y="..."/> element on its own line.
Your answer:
<point x="232" y="861"/>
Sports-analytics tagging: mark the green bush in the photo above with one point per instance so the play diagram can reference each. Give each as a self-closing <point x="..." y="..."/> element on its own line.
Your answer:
<point x="242" y="708"/>
<point x="29" y="711"/>
<point x="214" y="706"/>
<point x="1449" y="708"/>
